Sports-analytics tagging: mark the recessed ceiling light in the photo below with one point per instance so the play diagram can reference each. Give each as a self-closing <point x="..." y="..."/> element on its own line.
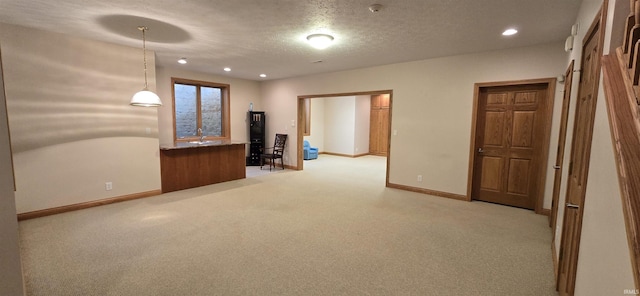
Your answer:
<point x="227" y="69"/>
<point x="320" y="41"/>
<point x="509" y="32"/>
<point x="182" y="61"/>
<point x="263" y="75"/>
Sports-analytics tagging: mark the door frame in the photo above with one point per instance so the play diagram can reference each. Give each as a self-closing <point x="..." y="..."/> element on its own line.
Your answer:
<point x="599" y="24"/>
<point x="547" y="117"/>
<point x="300" y="128"/>
<point x="562" y="142"/>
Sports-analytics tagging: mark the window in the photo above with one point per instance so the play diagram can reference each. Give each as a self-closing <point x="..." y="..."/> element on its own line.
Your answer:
<point x="201" y="110"/>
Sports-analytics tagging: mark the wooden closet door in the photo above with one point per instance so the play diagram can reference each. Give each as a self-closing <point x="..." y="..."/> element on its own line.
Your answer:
<point x="379" y="126"/>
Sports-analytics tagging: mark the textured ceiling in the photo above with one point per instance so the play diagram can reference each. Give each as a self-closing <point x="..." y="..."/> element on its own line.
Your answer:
<point x="268" y="36"/>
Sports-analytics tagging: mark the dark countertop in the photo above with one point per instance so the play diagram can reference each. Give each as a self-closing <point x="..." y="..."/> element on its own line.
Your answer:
<point x="186" y="145"/>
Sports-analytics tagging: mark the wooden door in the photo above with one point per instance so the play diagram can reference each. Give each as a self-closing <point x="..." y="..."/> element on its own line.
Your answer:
<point x="562" y="136"/>
<point x="580" y="153"/>
<point x="379" y="125"/>
<point x="510" y="132"/>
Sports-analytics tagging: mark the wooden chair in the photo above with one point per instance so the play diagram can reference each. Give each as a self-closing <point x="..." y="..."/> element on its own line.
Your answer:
<point x="276" y="152"/>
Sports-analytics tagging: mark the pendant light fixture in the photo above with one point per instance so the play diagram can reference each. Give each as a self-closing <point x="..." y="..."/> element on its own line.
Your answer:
<point x="145" y="97"/>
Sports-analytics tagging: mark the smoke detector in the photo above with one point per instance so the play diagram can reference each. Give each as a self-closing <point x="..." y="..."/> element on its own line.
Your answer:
<point x="375" y="8"/>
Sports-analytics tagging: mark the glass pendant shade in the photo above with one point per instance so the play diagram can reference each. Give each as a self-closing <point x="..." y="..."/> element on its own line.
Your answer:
<point x="146" y="98"/>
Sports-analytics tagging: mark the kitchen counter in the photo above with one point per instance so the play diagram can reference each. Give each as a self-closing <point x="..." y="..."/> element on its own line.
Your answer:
<point x="187" y="165"/>
<point x="183" y="145"/>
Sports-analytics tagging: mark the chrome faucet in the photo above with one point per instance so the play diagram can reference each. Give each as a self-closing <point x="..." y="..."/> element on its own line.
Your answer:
<point x="200" y="134"/>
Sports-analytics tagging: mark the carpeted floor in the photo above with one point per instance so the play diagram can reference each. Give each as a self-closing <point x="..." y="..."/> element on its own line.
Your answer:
<point x="332" y="229"/>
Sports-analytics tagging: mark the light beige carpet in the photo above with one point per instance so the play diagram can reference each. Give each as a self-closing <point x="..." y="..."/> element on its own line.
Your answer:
<point x="332" y="229"/>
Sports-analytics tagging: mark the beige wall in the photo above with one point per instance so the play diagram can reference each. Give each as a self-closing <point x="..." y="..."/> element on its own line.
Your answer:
<point x="10" y="265"/>
<point x="76" y="130"/>
<point x="339" y="124"/>
<point x="71" y="124"/>
<point x="363" y="121"/>
<point x="242" y="92"/>
<point x="432" y="106"/>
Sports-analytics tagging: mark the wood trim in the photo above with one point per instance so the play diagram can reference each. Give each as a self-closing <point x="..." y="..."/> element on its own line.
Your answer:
<point x="551" y="98"/>
<point x="226" y="112"/>
<point x="85" y="205"/>
<point x="173" y="108"/>
<point x="358" y="93"/>
<point x="389" y="134"/>
<point x="225" y="90"/>
<point x="306" y="114"/>
<point x="300" y="137"/>
<point x="562" y="142"/>
<point x="623" y="122"/>
<point x="551" y="88"/>
<point x="427" y="191"/>
<point x="4" y="94"/>
<point x="554" y="258"/>
<point x="472" y="141"/>
<point x="300" y="131"/>
<point x="345" y="155"/>
<point x="514" y="82"/>
<point x="546" y="212"/>
<point x="295" y="168"/>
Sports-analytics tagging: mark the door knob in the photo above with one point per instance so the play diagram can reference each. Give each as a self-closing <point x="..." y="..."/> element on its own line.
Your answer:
<point x="556" y="167"/>
<point x="570" y="205"/>
<point x="480" y="150"/>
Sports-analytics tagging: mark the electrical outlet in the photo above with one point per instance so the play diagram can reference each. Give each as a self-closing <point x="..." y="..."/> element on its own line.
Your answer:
<point x="395" y="132"/>
<point x="419" y="178"/>
<point x="108" y="186"/>
<point x="148" y="131"/>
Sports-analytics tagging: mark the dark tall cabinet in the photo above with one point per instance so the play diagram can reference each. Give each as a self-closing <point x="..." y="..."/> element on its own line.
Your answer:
<point x="256" y="136"/>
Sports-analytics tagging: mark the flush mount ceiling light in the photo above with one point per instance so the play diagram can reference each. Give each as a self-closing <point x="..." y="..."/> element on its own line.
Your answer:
<point x="182" y="61"/>
<point x="320" y="41"/>
<point x="509" y="32"/>
<point x="375" y="8"/>
<point x="145" y="97"/>
<point x="227" y="69"/>
<point x="263" y="75"/>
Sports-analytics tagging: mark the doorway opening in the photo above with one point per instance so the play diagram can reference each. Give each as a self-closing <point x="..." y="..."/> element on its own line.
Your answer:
<point x="381" y="99"/>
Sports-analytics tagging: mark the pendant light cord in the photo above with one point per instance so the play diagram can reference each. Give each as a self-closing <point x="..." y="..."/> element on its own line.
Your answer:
<point x="144" y="54"/>
<point x="145" y="97"/>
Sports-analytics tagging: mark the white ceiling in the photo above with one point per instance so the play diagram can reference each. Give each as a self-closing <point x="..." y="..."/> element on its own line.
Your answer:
<point x="268" y="36"/>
